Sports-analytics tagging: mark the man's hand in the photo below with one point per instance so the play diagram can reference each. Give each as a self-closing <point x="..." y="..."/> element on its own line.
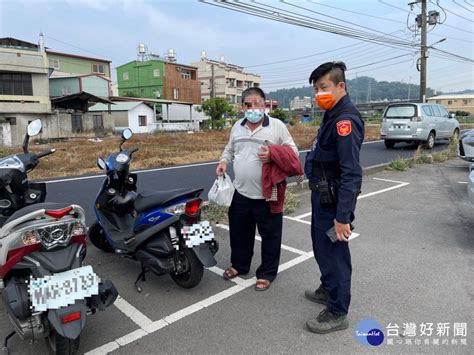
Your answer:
<point x="265" y="155"/>
<point x="221" y="168"/>
<point x="343" y="231"/>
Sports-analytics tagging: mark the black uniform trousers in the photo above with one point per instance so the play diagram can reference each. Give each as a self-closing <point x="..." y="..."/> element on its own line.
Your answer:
<point x="244" y="215"/>
<point x="334" y="259"/>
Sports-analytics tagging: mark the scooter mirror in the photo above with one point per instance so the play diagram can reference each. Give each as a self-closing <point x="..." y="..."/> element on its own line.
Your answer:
<point x="34" y="127"/>
<point x="127" y="133"/>
<point x="101" y="163"/>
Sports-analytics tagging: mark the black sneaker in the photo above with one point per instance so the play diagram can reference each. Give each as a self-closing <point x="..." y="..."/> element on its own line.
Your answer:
<point x="321" y="295"/>
<point x="327" y="322"/>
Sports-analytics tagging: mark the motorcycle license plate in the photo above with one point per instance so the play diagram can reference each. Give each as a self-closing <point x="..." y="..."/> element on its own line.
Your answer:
<point x="197" y="234"/>
<point x="63" y="289"/>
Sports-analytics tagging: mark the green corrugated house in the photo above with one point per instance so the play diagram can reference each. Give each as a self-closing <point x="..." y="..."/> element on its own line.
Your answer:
<point x="94" y="84"/>
<point x="141" y="79"/>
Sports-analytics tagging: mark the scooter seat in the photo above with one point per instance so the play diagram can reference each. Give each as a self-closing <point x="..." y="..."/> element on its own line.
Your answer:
<point x="37" y="206"/>
<point x="147" y="200"/>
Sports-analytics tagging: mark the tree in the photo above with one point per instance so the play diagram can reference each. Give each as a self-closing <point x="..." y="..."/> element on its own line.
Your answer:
<point x="217" y="109"/>
<point x="280" y="114"/>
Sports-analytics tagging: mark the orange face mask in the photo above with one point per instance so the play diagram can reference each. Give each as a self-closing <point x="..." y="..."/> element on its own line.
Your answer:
<point x="325" y="100"/>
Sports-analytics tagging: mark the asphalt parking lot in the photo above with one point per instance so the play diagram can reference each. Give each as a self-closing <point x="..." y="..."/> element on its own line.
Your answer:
<point x="412" y="263"/>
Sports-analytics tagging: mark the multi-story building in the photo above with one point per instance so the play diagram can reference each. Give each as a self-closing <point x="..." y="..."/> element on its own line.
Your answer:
<point x="24" y="88"/>
<point x="300" y="103"/>
<point x="156" y="78"/>
<point x="221" y="79"/>
<point x="455" y="102"/>
<point x="65" y="64"/>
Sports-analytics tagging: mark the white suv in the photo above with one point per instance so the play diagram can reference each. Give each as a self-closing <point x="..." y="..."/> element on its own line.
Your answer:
<point x="417" y="122"/>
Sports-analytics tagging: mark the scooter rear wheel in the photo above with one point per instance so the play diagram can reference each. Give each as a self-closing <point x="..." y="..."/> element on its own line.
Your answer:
<point x="97" y="237"/>
<point x="60" y="345"/>
<point x="193" y="270"/>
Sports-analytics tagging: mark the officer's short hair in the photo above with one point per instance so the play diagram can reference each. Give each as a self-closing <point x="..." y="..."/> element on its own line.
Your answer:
<point x="335" y="69"/>
<point x="253" y="91"/>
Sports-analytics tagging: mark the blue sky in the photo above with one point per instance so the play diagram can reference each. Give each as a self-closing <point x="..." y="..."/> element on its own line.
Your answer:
<point x="112" y="29"/>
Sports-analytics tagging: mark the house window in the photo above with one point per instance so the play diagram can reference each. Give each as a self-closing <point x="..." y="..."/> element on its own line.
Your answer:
<point x="98" y="68"/>
<point x="125" y="75"/>
<point x="185" y="75"/>
<point x="12" y="120"/>
<point x="142" y="120"/>
<point x="76" y="123"/>
<point x="464" y="102"/>
<point x="98" y="121"/>
<point x="450" y="102"/>
<point x="54" y="63"/>
<point x="16" y="84"/>
<point x="438" y="102"/>
<point x="176" y="94"/>
<point x="66" y="90"/>
<point x="156" y="73"/>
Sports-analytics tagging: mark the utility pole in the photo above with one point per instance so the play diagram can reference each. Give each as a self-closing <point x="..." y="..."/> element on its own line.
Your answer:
<point x="212" y="81"/>
<point x="368" y="92"/>
<point x="423" y="60"/>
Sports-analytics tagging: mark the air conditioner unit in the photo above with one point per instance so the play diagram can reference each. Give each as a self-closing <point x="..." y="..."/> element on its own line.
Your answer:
<point x="179" y="68"/>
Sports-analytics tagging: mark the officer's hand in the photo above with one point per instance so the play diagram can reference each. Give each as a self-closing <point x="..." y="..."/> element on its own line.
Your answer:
<point x="221" y="168"/>
<point x="265" y="155"/>
<point x="343" y="231"/>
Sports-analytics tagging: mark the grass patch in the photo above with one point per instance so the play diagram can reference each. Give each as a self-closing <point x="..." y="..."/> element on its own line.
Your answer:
<point x="399" y="164"/>
<point x="215" y="213"/>
<point x="292" y="202"/>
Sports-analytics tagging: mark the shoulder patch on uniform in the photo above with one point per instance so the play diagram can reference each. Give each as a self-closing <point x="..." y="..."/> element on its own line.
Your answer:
<point x="344" y="128"/>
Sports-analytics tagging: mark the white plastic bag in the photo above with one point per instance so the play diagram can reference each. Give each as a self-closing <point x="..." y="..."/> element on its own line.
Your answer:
<point x="222" y="191"/>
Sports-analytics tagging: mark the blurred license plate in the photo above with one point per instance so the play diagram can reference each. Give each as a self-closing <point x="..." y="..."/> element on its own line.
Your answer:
<point x="63" y="289"/>
<point x="197" y="234"/>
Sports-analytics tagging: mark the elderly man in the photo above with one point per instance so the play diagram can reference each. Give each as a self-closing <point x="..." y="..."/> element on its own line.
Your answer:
<point x="251" y="142"/>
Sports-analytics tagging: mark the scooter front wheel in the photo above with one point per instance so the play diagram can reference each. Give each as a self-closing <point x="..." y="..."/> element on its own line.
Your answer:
<point x="193" y="270"/>
<point x="97" y="237"/>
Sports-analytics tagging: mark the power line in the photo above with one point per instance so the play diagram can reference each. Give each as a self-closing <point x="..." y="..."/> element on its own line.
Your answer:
<point x="453" y="13"/>
<point x="465" y="8"/>
<point x="308" y="22"/>
<point x="355" y="12"/>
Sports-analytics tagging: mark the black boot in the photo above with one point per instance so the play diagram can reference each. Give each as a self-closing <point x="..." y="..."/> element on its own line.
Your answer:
<point x="327" y="322"/>
<point x="321" y="295"/>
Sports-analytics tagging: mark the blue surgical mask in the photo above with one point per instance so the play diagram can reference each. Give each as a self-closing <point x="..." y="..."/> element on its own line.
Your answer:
<point x="254" y="116"/>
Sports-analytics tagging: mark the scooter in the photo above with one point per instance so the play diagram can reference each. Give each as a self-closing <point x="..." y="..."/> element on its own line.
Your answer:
<point x="162" y="229"/>
<point x="45" y="287"/>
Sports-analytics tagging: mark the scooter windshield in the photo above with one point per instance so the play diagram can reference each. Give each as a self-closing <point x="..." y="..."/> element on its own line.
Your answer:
<point x="12" y="162"/>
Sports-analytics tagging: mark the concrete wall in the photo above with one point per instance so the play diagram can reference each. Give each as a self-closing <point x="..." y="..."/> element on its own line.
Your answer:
<point x="178" y="112"/>
<point x="455" y="103"/>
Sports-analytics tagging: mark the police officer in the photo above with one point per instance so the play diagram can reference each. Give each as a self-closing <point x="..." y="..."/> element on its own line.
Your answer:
<point x="335" y="177"/>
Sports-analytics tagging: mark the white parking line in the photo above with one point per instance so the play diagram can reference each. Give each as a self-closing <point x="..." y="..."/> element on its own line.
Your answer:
<point x="152" y="327"/>
<point x="463" y="182"/>
<point x="400" y="184"/>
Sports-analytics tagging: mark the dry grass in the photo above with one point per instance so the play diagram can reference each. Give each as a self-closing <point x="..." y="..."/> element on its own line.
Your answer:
<point x="78" y="156"/>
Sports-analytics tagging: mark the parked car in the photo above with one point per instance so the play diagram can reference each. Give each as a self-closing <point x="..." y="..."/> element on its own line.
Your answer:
<point x="466" y="146"/>
<point x="470" y="184"/>
<point x="417" y="122"/>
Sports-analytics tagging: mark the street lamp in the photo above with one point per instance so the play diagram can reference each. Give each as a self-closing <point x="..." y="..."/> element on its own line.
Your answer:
<point x="441" y="40"/>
